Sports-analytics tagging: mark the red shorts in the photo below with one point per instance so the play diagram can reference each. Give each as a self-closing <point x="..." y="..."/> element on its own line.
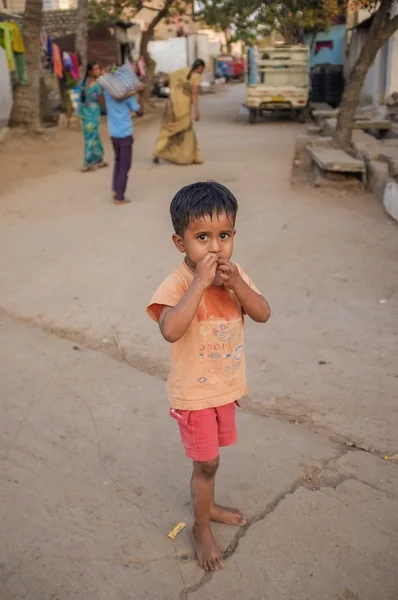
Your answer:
<point x="204" y="431"/>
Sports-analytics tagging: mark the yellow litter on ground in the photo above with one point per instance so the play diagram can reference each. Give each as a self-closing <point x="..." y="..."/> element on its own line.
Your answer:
<point x="174" y="532"/>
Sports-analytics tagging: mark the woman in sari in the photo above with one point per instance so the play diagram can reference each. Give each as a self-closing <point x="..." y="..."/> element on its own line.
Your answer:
<point x="90" y="113"/>
<point x="177" y="141"/>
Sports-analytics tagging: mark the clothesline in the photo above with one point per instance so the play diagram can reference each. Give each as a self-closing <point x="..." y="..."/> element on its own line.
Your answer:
<point x="59" y="62"/>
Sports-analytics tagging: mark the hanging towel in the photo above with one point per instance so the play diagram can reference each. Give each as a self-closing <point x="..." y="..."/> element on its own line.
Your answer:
<point x="6" y="42"/>
<point x="17" y="39"/>
<point x="20" y="68"/>
<point x="67" y="61"/>
<point x="49" y="49"/>
<point x="57" y="61"/>
<point x="75" y="72"/>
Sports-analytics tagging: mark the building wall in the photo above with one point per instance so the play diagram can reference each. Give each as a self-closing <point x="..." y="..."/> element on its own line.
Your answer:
<point x="382" y="76"/>
<point x="335" y="55"/>
<point x="58" y="23"/>
<point x="18" y="6"/>
<point x="167" y="27"/>
<point x="392" y="81"/>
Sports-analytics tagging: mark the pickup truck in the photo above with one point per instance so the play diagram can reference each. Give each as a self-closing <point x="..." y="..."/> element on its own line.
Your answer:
<point x="277" y="80"/>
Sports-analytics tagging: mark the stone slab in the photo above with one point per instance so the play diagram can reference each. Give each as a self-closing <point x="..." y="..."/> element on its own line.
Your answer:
<point x="367" y="145"/>
<point x="332" y="159"/>
<point x="381" y="124"/>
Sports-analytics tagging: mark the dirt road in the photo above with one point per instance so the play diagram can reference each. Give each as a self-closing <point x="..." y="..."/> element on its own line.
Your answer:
<point x="79" y="266"/>
<point x="92" y="473"/>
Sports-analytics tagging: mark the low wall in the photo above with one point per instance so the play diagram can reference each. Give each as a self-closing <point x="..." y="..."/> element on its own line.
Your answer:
<point x="57" y="23"/>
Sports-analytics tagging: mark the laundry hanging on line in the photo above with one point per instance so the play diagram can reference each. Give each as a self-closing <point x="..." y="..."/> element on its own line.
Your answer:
<point x="12" y="41"/>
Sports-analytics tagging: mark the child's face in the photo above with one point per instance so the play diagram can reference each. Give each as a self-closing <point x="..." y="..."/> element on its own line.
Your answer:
<point x="206" y="235"/>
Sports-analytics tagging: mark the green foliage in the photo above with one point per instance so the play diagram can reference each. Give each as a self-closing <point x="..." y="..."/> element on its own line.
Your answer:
<point x="293" y="18"/>
<point x="236" y="18"/>
<point x="105" y="13"/>
<point x="108" y="12"/>
<point x="251" y="19"/>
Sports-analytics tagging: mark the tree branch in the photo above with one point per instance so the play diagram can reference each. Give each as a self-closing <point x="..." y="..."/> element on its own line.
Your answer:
<point x="391" y="27"/>
<point x="149" y="8"/>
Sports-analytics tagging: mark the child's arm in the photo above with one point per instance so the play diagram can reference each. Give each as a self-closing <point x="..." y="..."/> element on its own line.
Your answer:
<point x="174" y="321"/>
<point x="254" y="305"/>
<point x="134" y="106"/>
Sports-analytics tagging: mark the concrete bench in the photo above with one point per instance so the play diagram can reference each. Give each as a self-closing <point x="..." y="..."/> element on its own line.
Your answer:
<point x="333" y="160"/>
<point x="380" y="124"/>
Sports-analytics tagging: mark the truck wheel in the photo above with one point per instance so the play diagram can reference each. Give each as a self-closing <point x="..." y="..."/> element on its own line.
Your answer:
<point x="253" y="114"/>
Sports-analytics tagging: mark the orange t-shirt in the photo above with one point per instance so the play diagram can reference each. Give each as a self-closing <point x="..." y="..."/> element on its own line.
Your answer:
<point x="208" y="366"/>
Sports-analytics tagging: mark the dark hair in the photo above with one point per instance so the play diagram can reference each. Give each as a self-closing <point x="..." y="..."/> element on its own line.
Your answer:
<point x="198" y="200"/>
<point x="90" y="67"/>
<point x="196" y="65"/>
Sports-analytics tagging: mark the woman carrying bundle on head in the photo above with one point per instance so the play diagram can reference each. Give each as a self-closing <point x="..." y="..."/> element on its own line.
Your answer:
<point x="177" y="141"/>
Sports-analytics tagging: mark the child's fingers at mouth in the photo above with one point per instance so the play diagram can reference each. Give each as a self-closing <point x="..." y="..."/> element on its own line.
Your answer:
<point x="223" y="268"/>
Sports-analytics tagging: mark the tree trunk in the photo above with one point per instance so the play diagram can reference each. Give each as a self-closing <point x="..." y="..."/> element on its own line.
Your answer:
<point x="351" y="94"/>
<point x="26" y="105"/>
<point x="146" y="38"/>
<point x="228" y="44"/>
<point x="82" y="35"/>
<point x="313" y="40"/>
<point x="381" y="29"/>
<point x="149" y="63"/>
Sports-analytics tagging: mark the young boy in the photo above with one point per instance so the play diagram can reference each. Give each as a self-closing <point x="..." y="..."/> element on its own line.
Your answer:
<point x="120" y="127"/>
<point x="200" y="309"/>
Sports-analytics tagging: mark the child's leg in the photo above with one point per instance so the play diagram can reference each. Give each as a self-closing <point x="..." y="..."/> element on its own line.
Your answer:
<point x="203" y="432"/>
<point x="202" y="490"/>
<point x="223" y="514"/>
<point x="126" y="154"/>
<point x="116" y="149"/>
<point x="226" y="431"/>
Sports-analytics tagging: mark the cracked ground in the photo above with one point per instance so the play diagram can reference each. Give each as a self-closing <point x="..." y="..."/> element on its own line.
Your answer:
<point x="92" y="472"/>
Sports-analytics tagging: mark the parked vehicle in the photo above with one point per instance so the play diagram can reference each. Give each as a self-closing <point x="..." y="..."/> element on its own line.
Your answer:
<point x="229" y="67"/>
<point x="278" y="80"/>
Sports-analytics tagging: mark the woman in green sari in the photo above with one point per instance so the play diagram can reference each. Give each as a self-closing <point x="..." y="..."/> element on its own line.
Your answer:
<point x="177" y="141"/>
<point x="90" y="113"/>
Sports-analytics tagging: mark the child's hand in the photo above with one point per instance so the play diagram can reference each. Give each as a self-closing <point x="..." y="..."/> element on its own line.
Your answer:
<point x="229" y="273"/>
<point x="206" y="269"/>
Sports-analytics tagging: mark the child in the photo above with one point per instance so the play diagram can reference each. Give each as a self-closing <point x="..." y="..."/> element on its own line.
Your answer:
<point x="120" y="127"/>
<point x="200" y="309"/>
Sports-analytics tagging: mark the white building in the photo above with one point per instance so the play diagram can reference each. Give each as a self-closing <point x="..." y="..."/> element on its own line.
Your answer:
<point x="382" y="77"/>
<point x="18" y="6"/>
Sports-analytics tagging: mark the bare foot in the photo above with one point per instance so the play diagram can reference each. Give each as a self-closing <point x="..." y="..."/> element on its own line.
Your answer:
<point x="207" y="550"/>
<point x="228" y="516"/>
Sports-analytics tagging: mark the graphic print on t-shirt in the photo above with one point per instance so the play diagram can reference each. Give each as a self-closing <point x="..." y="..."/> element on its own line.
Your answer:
<point x="220" y="347"/>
